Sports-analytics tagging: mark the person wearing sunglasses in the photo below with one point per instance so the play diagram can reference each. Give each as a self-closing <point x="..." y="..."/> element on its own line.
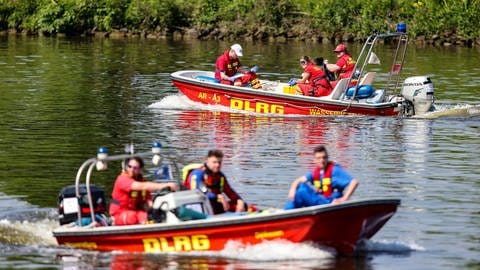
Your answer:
<point x="131" y="196"/>
<point x="327" y="183"/>
<point x="210" y="179"/>
<point x="314" y="81"/>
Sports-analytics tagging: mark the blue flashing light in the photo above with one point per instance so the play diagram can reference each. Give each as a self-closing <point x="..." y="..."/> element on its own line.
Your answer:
<point x="156" y="144"/>
<point x="102" y="150"/>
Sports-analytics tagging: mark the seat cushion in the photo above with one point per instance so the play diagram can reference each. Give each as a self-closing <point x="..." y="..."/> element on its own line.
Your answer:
<point x="205" y="78"/>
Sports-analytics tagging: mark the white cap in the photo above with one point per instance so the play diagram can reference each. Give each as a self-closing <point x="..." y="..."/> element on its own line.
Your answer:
<point x="238" y="49"/>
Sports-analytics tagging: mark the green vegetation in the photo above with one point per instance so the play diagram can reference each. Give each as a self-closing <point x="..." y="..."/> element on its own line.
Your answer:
<point x="258" y="19"/>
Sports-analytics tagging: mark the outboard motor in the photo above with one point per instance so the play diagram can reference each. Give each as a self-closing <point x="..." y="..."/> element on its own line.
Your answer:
<point x="418" y="92"/>
<point x="69" y="205"/>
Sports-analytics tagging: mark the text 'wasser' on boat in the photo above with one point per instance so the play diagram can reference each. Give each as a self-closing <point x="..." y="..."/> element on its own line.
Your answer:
<point x="183" y="221"/>
<point x="364" y="96"/>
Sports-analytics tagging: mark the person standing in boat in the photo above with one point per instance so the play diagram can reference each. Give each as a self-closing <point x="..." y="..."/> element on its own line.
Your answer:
<point x="228" y="64"/>
<point x="343" y="68"/>
<point x="327" y="183"/>
<point x="131" y="194"/>
<point x="209" y="179"/>
<point x="314" y="81"/>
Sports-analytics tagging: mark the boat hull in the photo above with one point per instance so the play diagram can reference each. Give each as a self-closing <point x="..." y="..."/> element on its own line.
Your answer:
<point x="339" y="227"/>
<point x="271" y="102"/>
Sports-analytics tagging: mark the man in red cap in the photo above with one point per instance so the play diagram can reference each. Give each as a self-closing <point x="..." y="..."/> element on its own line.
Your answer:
<point x="345" y="63"/>
<point x="228" y="64"/>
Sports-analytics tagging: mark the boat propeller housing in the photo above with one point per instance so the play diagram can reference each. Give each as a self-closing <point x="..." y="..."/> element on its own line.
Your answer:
<point x="418" y="91"/>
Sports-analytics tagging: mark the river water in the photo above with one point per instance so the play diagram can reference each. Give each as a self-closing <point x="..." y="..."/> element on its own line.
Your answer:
<point x="63" y="98"/>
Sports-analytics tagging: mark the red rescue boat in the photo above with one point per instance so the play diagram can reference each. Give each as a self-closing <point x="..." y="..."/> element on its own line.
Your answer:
<point x="187" y="223"/>
<point x="385" y="97"/>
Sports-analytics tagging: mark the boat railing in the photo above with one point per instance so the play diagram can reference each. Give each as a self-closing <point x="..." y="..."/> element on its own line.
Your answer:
<point x="393" y="81"/>
<point x="100" y="163"/>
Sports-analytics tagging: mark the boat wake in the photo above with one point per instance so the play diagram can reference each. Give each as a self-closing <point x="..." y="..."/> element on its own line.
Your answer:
<point x="181" y="102"/>
<point x="25" y="232"/>
<point x="382" y="246"/>
<point x="452" y="111"/>
<point x="24" y="224"/>
<point x="275" y="250"/>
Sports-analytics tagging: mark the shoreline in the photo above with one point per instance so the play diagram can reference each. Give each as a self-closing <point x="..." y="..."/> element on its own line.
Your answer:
<point x="446" y="39"/>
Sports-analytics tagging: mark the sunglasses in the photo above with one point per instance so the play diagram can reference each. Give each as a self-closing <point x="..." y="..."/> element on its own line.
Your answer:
<point x="135" y="168"/>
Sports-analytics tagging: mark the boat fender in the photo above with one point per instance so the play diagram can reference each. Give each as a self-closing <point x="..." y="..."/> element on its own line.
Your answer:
<point x="363" y="91"/>
<point x="205" y="78"/>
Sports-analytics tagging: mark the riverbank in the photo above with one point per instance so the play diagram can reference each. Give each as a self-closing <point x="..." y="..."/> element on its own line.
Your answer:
<point x="440" y="23"/>
<point x="445" y="39"/>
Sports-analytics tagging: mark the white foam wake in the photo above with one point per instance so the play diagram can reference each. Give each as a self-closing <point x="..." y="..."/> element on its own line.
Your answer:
<point x="181" y="102"/>
<point x="28" y="233"/>
<point x="459" y="110"/>
<point x="389" y="246"/>
<point x="275" y="250"/>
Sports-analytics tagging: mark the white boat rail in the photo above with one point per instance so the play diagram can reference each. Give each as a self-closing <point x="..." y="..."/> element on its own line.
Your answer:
<point x="100" y="163"/>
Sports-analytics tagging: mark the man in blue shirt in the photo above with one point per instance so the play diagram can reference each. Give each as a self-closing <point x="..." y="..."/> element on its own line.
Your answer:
<point x="210" y="179"/>
<point x="327" y="183"/>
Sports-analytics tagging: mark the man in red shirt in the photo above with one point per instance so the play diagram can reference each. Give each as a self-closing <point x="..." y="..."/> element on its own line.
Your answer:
<point x="131" y="194"/>
<point x="345" y="63"/>
<point x="228" y="64"/>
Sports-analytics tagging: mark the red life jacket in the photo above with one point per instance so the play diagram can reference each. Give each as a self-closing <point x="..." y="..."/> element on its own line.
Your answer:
<point x="251" y="77"/>
<point x="136" y="199"/>
<point x="318" y="79"/>
<point x="324" y="185"/>
<point x="347" y="69"/>
<point x="231" y="68"/>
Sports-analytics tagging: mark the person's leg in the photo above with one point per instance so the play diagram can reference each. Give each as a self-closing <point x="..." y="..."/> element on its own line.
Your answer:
<point x="303" y="191"/>
<point x="307" y="196"/>
<point x="321" y="91"/>
<point x="289" y="205"/>
<point x="126" y="217"/>
<point x="142" y="217"/>
<point x="226" y="82"/>
<point x="304" y="89"/>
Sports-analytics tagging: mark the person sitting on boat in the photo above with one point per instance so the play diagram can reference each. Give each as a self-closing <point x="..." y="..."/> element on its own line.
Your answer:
<point x="327" y="183"/>
<point x="228" y="64"/>
<point x="131" y="194"/>
<point x="319" y="61"/>
<point x="314" y="81"/>
<point x="344" y="65"/>
<point x="209" y="179"/>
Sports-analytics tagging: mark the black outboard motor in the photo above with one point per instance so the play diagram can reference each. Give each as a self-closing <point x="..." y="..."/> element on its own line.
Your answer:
<point x="68" y="205"/>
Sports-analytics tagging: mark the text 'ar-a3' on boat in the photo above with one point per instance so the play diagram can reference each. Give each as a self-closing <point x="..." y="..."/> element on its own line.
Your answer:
<point x="183" y="221"/>
<point x="377" y="92"/>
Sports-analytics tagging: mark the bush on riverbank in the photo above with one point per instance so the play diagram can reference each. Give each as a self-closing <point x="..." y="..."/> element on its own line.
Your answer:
<point x="452" y="20"/>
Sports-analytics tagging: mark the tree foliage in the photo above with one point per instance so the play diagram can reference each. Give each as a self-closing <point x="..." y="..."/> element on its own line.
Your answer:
<point x="277" y="17"/>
